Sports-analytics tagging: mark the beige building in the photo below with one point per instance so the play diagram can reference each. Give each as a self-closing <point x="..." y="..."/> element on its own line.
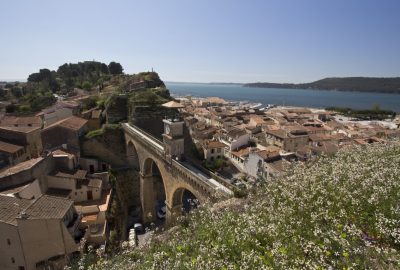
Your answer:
<point x="290" y="141"/>
<point x="67" y="131"/>
<point x="74" y="185"/>
<point x="11" y="154"/>
<point x="37" y="234"/>
<point x="26" y="136"/>
<point x="213" y="150"/>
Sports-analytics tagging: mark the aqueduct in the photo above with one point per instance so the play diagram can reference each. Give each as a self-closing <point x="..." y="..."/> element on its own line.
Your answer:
<point x="162" y="177"/>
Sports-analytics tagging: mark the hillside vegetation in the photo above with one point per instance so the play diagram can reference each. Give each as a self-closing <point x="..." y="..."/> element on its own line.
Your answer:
<point x="90" y="77"/>
<point x="335" y="213"/>
<point x="362" y="84"/>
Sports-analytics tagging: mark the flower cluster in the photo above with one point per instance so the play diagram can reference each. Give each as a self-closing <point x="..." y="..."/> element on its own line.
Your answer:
<point x="334" y="213"/>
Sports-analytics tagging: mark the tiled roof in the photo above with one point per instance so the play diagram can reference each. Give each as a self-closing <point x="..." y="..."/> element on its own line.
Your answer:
<point x="214" y="144"/>
<point x="9" y="148"/>
<point x="235" y="133"/>
<point x="23" y="121"/>
<point x="265" y="154"/>
<point x="10" y="207"/>
<point x="48" y="207"/>
<point x="73" y="123"/>
<point x="26" y="165"/>
<point x="20" y="129"/>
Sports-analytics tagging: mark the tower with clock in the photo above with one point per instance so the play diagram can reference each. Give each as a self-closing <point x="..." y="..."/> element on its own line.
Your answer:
<point x="173" y="138"/>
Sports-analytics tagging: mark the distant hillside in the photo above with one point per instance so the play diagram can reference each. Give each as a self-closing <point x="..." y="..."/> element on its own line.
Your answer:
<point x="361" y="84"/>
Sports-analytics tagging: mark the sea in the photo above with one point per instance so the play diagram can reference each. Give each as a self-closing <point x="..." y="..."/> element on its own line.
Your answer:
<point x="288" y="97"/>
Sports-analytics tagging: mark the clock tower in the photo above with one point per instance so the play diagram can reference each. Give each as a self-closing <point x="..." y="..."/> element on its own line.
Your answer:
<point x="173" y="138"/>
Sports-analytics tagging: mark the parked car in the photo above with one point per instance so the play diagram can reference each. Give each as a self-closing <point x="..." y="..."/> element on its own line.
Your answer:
<point x="161" y="213"/>
<point x="138" y="227"/>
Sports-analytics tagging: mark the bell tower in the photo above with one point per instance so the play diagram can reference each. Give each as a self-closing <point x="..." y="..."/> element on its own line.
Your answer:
<point x="173" y="138"/>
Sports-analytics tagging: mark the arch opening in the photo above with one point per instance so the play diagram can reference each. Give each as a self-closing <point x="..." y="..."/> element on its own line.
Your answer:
<point x="154" y="192"/>
<point x="186" y="199"/>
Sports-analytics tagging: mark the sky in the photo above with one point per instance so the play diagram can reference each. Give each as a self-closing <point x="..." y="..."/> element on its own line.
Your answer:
<point x="207" y="40"/>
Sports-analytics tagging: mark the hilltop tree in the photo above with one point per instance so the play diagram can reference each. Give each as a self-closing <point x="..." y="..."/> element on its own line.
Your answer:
<point x="115" y="68"/>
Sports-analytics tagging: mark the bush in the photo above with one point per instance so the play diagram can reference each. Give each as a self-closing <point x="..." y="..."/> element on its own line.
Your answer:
<point x="335" y="213"/>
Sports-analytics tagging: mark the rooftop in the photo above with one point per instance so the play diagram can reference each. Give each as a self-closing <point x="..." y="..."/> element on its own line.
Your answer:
<point x="78" y="174"/>
<point x="9" y="148"/>
<point x="73" y="123"/>
<point x="10" y="207"/>
<point x="20" y="121"/>
<point x="26" y="165"/>
<point x="45" y="207"/>
<point x="214" y="144"/>
<point x="23" y="129"/>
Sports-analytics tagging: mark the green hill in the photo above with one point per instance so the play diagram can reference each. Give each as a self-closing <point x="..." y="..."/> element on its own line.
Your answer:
<point x="362" y="84"/>
<point x="335" y="213"/>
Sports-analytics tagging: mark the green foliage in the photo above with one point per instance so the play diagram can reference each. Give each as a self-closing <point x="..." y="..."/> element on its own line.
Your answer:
<point x="100" y="132"/>
<point x="90" y="103"/>
<point x="115" y="68"/>
<point x="147" y="97"/>
<point x="374" y="114"/>
<point x="216" y="165"/>
<point x="94" y="133"/>
<point x="335" y="213"/>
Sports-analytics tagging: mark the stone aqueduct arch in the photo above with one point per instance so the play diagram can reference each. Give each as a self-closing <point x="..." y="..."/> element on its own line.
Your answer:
<point x="142" y="159"/>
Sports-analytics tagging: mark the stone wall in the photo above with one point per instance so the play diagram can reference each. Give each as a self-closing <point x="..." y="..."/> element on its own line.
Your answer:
<point x="108" y="147"/>
<point x="116" y="109"/>
<point x="149" y="118"/>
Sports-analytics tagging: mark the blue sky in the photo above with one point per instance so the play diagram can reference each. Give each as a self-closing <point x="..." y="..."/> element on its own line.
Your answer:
<point x="205" y="41"/>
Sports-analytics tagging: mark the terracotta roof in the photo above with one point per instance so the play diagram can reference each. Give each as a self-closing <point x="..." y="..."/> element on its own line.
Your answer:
<point x="89" y="217"/>
<point x="73" y="123"/>
<point x="9" y="148"/>
<point x="24" y="121"/>
<point x="244" y="152"/>
<point x="214" y="144"/>
<point x="235" y="133"/>
<point x="20" y="129"/>
<point x="280" y="133"/>
<point x="265" y="154"/>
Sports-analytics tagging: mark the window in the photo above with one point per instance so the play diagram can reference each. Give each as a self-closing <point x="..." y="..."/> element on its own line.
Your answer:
<point x="21" y="267"/>
<point x="12" y="260"/>
<point x="219" y="150"/>
<point x="8" y="241"/>
<point x="218" y="157"/>
<point x="212" y="151"/>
